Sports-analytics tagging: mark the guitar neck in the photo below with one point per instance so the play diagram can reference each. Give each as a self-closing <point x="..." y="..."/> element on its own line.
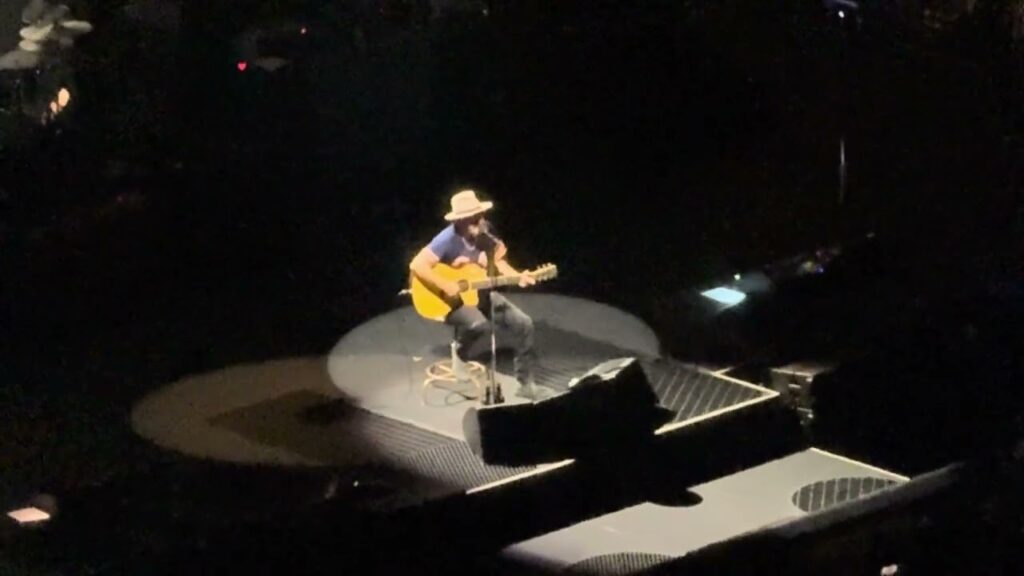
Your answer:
<point x="496" y="282"/>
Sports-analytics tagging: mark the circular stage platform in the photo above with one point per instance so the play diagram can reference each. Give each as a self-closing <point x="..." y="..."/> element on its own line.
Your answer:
<point x="366" y="401"/>
<point x="383" y="363"/>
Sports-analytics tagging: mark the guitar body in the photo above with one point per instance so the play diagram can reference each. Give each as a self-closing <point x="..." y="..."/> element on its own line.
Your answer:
<point x="433" y="304"/>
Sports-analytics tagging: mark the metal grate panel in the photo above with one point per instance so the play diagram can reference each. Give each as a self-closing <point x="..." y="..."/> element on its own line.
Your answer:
<point x="825" y="494"/>
<point x="617" y="564"/>
<point x="455" y="466"/>
<point x="396" y="438"/>
<point x="557" y="372"/>
<point x="689" y="392"/>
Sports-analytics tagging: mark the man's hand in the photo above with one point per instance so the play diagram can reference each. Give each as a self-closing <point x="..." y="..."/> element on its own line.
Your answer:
<point x="526" y="279"/>
<point x="450" y="288"/>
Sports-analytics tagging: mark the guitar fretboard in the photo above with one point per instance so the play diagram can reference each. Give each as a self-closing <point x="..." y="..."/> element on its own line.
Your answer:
<point x="495" y="282"/>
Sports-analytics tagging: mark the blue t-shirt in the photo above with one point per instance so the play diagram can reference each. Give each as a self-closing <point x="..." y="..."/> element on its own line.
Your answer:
<point x="448" y="246"/>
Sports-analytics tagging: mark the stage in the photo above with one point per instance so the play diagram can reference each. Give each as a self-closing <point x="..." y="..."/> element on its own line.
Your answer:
<point x="365" y="403"/>
<point x="363" y="412"/>
<point x="638" y="537"/>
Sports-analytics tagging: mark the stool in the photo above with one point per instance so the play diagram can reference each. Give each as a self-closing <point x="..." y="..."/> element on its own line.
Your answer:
<point x="455" y="370"/>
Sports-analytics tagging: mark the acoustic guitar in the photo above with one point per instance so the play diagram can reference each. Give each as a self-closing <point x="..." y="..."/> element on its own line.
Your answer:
<point x="435" y="305"/>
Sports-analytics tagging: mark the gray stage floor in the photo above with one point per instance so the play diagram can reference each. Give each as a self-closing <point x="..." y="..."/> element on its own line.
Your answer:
<point x="382" y="364"/>
<point x="366" y="403"/>
<point x="749" y="500"/>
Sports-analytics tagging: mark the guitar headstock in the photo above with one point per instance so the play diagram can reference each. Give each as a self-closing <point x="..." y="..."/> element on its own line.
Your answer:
<point x="545" y="272"/>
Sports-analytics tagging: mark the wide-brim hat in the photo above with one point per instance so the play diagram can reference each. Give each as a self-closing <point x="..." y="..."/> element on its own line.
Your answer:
<point x="466" y="204"/>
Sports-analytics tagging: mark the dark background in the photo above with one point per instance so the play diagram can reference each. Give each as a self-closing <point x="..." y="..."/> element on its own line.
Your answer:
<point x="187" y="216"/>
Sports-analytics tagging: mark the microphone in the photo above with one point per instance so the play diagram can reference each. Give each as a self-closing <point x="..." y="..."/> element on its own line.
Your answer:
<point x="485" y="240"/>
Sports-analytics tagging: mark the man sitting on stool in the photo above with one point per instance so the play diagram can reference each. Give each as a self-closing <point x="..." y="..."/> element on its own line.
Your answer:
<point x="467" y="239"/>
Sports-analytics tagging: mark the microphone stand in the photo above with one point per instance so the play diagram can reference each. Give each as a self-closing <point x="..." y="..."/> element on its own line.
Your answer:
<point x="493" y="393"/>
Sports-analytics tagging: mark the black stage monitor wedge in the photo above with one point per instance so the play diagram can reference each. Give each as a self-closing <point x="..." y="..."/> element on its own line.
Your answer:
<point x="609" y="409"/>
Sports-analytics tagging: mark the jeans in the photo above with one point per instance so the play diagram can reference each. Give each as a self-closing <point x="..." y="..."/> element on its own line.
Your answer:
<point x="473" y="330"/>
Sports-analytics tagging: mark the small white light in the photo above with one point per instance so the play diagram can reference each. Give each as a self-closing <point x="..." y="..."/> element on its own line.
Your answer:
<point x="890" y="570"/>
<point x="724" y="295"/>
<point x="735" y="276"/>
<point x="842" y="14"/>
<point x="30" y="515"/>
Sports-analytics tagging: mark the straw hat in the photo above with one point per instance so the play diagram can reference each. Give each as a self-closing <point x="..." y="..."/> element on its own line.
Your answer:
<point x="466" y="204"/>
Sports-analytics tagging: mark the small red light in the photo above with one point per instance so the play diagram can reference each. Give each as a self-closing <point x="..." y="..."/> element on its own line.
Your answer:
<point x="242" y="65"/>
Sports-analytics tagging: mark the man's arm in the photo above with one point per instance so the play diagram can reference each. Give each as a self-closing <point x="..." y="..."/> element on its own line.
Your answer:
<point x="423" y="267"/>
<point x="500" y="251"/>
<point x="507" y="269"/>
